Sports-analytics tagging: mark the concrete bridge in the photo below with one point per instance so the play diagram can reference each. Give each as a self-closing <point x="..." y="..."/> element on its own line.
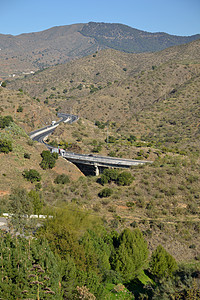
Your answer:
<point x="89" y="164"/>
<point x="95" y="164"/>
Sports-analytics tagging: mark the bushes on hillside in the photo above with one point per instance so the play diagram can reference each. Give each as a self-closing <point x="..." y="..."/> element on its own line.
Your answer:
<point x="4" y="84"/>
<point x="27" y="155"/>
<point x="62" y="179"/>
<point x="112" y="175"/>
<point x="107" y="192"/>
<point x="32" y="175"/>
<point x="5" y="121"/>
<point x="20" y="109"/>
<point x="48" y="159"/>
<point x="5" y="146"/>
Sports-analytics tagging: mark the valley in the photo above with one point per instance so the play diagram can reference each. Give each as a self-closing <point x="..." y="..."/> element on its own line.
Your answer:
<point x="135" y="106"/>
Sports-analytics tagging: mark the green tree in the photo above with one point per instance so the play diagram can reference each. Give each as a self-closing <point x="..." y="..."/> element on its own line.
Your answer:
<point x="62" y="179"/>
<point x="20" y="206"/>
<point x="125" y="178"/>
<point x="131" y="254"/>
<point x="29" y="269"/>
<point x="5" y="121"/>
<point x="37" y="201"/>
<point x="162" y="264"/>
<point x="108" y="176"/>
<point x="48" y="159"/>
<point x="32" y="175"/>
<point x="107" y="192"/>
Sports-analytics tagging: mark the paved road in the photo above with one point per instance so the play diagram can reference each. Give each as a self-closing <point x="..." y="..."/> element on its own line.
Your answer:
<point x="40" y="134"/>
<point x="87" y="159"/>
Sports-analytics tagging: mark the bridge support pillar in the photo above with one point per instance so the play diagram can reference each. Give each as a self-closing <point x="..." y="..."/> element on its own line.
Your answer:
<point x="96" y="170"/>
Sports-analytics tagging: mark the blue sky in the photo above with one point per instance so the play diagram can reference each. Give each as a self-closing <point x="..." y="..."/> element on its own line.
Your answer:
<point x="178" y="17"/>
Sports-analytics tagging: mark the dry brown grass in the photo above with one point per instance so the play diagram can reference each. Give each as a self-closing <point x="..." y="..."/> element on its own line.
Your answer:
<point x="34" y="115"/>
<point x="14" y="163"/>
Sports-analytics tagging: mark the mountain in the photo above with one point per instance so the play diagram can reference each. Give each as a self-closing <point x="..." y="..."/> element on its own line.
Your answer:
<point x="124" y="38"/>
<point x="30" y="52"/>
<point x="147" y="107"/>
<point x="117" y="86"/>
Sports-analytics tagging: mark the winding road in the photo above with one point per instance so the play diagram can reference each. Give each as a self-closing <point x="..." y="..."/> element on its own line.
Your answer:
<point x="89" y="160"/>
<point x="40" y="134"/>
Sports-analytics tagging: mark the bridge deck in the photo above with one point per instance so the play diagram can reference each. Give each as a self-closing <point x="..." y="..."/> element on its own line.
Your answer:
<point x="103" y="160"/>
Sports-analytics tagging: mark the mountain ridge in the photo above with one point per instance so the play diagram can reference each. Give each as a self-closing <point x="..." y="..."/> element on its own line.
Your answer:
<point x="29" y="52"/>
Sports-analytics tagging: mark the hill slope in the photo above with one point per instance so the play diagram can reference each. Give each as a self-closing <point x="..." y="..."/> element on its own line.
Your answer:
<point x="151" y="97"/>
<point x="101" y="68"/>
<point x="111" y="86"/>
<point x="125" y="38"/>
<point x="27" y="53"/>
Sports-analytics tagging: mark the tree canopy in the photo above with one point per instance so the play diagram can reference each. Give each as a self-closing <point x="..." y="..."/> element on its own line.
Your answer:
<point x="162" y="264"/>
<point x="131" y="254"/>
<point x="48" y="159"/>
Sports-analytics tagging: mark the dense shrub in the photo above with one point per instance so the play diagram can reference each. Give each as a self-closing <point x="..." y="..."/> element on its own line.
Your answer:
<point x="20" y="109"/>
<point x="48" y="159"/>
<point x="107" y="192"/>
<point x="123" y="178"/>
<point x="5" y="121"/>
<point x="100" y="125"/>
<point x="97" y="148"/>
<point x="111" y="139"/>
<point x="132" y="138"/>
<point x="62" y="179"/>
<point x="4" y="84"/>
<point x="32" y="175"/>
<point x="27" y="155"/>
<point x="5" y="146"/>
